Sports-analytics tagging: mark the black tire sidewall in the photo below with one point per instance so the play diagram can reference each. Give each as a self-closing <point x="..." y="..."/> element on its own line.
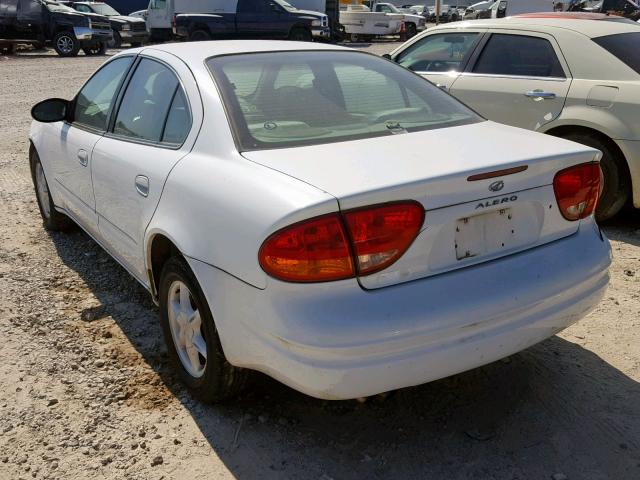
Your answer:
<point x="300" y="35"/>
<point x="614" y="173"/>
<point x="76" y="44"/>
<point x="209" y="387"/>
<point x="56" y="221"/>
<point x="199" y="36"/>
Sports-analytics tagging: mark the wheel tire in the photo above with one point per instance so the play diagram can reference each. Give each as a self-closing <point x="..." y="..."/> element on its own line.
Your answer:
<point x="66" y="44"/>
<point x="617" y="186"/>
<point x="99" y="49"/>
<point x="300" y="35"/>
<point x="7" y="49"/>
<point x="412" y="30"/>
<point x="136" y="44"/>
<point x="116" y="42"/>
<point x="51" y="218"/>
<point x="199" y="36"/>
<point x="219" y="380"/>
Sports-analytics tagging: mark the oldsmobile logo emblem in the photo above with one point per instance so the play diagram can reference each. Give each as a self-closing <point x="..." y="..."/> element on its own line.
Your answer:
<point x="496" y="186"/>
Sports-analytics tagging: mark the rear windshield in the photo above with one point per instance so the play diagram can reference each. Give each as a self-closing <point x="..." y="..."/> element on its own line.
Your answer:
<point x="625" y="46"/>
<point x="285" y="99"/>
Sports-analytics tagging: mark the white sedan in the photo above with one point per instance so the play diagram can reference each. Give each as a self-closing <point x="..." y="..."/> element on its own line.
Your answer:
<point x="320" y="214"/>
<point x="569" y="74"/>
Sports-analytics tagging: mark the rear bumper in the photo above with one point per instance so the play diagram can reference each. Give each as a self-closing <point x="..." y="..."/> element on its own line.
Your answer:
<point x="631" y="151"/>
<point x="337" y="341"/>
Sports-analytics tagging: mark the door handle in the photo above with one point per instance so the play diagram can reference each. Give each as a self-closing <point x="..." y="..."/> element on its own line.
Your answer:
<point x="83" y="157"/>
<point x="442" y="87"/>
<point x="142" y="185"/>
<point x="540" y="94"/>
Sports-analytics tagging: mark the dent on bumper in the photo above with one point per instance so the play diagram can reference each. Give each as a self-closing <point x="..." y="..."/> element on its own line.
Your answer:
<point x="337" y="341"/>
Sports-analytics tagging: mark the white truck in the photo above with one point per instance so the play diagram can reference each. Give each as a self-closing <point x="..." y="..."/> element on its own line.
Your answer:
<point x="412" y="23"/>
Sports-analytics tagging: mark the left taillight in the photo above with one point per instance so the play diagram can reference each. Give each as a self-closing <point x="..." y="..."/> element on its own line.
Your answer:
<point x="577" y="190"/>
<point x="335" y="247"/>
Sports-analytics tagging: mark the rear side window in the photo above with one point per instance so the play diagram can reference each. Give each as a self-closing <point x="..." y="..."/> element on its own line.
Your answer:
<point x="624" y="46"/>
<point x="519" y="55"/>
<point x="439" y="53"/>
<point x="152" y="94"/>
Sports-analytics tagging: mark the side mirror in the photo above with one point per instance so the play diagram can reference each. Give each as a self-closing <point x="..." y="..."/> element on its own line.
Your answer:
<point x="50" y="111"/>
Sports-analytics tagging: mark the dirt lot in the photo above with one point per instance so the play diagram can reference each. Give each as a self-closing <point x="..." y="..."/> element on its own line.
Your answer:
<point x="85" y="391"/>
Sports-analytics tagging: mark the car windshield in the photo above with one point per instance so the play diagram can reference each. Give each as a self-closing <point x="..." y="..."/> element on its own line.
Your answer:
<point x="624" y="46"/>
<point x="104" y="9"/>
<point x="284" y="99"/>
<point x="56" y="7"/>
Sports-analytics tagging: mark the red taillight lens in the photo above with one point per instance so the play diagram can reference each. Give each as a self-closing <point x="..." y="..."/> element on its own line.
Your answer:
<point x="315" y="250"/>
<point x="577" y="190"/>
<point x="318" y="250"/>
<point x="380" y="235"/>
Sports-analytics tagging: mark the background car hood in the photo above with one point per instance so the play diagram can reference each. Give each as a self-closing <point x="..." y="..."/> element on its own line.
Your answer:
<point x="126" y="19"/>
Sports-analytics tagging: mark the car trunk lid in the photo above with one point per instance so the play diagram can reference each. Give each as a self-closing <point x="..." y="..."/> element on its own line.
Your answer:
<point x="486" y="189"/>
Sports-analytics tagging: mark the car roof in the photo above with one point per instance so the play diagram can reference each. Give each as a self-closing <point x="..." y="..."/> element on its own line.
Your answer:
<point x="197" y="52"/>
<point x="585" y="24"/>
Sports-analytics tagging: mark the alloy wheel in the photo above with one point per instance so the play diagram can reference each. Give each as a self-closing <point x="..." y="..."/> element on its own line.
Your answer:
<point x="185" y="323"/>
<point x="65" y="44"/>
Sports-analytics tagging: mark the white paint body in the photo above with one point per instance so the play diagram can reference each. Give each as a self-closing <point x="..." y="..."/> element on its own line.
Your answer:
<point x="602" y="95"/>
<point x="427" y="316"/>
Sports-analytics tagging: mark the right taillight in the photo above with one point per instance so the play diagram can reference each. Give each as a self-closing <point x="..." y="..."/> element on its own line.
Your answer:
<point x="577" y="190"/>
<point x="335" y="247"/>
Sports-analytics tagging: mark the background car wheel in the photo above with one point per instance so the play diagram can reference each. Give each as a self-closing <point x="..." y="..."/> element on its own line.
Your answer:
<point x="116" y="42"/>
<point x="192" y="338"/>
<point x="616" y="191"/>
<point x="51" y="218"/>
<point x="199" y="36"/>
<point x="136" y="44"/>
<point x="412" y="30"/>
<point x="99" y="49"/>
<point x="300" y="35"/>
<point x="7" y="49"/>
<point x="66" y="45"/>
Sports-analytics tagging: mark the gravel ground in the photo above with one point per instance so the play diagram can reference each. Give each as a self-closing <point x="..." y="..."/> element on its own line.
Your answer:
<point x="85" y="391"/>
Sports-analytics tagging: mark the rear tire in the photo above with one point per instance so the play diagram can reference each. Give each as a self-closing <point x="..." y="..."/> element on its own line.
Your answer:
<point x="51" y="218"/>
<point x="187" y="324"/>
<point x="66" y="44"/>
<point x="199" y="36"/>
<point x="7" y="49"/>
<point x="300" y="35"/>
<point x="617" y="186"/>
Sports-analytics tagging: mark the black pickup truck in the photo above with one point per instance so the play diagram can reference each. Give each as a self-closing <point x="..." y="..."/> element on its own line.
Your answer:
<point x="45" y="22"/>
<point x="254" y="19"/>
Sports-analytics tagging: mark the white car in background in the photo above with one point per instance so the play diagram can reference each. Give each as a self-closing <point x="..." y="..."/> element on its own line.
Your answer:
<point x="320" y="214"/>
<point x="571" y="75"/>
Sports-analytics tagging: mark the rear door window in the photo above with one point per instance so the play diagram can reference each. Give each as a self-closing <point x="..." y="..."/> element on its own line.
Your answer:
<point x="439" y="53"/>
<point x="624" y="46"/>
<point x="520" y="56"/>
<point x="151" y="94"/>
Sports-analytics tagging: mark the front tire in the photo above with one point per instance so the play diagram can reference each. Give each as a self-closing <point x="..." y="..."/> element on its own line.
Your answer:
<point x="617" y="186"/>
<point x="412" y="30"/>
<point x="300" y="35"/>
<point x="116" y="41"/>
<point x="98" y="49"/>
<point x="7" y="49"/>
<point x="192" y="338"/>
<point x="51" y="218"/>
<point x="66" y="44"/>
